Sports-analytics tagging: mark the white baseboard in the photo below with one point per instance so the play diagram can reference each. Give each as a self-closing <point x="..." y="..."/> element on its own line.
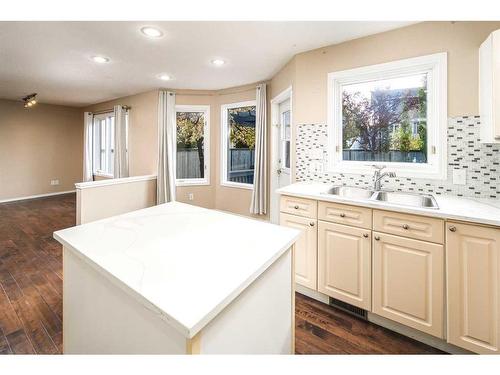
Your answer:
<point x="36" y="196"/>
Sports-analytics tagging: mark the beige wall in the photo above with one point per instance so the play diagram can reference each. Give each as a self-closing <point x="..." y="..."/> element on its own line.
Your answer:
<point x="461" y="40"/>
<point x="307" y="74"/>
<point x="38" y="145"/>
<point x="143" y="130"/>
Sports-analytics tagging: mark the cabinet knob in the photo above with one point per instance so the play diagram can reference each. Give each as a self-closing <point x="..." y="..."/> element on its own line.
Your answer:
<point x="342" y="215"/>
<point x="296" y="207"/>
<point x="406" y="226"/>
<point x="452" y="228"/>
<point x="311" y="223"/>
<point x="365" y="235"/>
<point x="377" y="238"/>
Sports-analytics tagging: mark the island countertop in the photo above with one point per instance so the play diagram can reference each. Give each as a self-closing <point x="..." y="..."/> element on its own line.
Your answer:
<point x="184" y="262"/>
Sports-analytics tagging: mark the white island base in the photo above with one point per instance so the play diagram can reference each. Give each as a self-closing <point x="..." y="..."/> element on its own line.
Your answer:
<point x="100" y="318"/>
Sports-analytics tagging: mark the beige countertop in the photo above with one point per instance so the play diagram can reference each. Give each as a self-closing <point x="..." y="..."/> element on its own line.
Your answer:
<point x="476" y="210"/>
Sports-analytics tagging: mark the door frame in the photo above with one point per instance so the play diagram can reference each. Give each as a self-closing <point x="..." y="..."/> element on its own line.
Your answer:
<point x="275" y="138"/>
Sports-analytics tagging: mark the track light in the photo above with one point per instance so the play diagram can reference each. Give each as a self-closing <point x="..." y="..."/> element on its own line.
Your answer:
<point x="30" y="100"/>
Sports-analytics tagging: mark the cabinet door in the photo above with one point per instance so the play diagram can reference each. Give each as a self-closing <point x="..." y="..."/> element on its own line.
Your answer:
<point x="473" y="285"/>
<point x="344" y="263"/>
<point x="305" y="249"/>
<point x="408" y="282"/>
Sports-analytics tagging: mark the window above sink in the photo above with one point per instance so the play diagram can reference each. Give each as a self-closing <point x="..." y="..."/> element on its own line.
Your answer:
<point x="393" y="114"/>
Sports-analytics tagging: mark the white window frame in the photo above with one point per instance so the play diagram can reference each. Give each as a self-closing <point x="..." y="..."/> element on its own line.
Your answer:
<point x="283" y="140"/>
<point x="224" y="143"/>
<point x="206" y="145"/>
<point x="111" y="155"/>
<point x="435" y="66"/>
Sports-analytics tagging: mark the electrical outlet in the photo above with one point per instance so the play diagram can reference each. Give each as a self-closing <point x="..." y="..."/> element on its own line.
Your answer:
<point x="459" y="176"/>
<point x="54" y="182"/>
<point x="190" y="196"/>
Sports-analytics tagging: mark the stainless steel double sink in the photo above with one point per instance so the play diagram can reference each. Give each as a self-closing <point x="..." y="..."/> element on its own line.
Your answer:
<point x="390" y="197"/>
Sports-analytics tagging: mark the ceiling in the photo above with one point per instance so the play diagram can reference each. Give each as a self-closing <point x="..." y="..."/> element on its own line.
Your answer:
<point x="54" y="58"/>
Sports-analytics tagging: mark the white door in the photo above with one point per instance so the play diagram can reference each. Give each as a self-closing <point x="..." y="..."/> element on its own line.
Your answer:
<point x="281" y="148"/>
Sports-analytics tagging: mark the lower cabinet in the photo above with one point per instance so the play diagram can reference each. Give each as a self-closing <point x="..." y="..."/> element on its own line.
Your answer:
<point x="305" y="248"/>
<point x="344" y="263"/>
<point x="473" y="285"/>
<point x="408" y="282"/>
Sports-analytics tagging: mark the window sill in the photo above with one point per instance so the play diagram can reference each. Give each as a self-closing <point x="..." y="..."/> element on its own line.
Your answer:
<point x="237" y="185"/>
<point x="193" y="182"/>
<point x="105" y="175"/>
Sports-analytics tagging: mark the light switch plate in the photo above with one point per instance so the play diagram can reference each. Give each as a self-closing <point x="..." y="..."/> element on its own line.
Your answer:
<point x="459" y="176"/>
<point x="54" y="182"/>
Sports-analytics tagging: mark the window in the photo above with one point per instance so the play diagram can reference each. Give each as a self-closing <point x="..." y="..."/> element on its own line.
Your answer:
<point x="104" y="132"/>
<point x="238" y="144"/>
<point x="192" y="145"/>
<point x="285" y="137"/>
<point x="392" y="114"/>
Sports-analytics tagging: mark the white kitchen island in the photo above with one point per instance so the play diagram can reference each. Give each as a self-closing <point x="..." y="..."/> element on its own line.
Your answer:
<point x="175" y="279"/>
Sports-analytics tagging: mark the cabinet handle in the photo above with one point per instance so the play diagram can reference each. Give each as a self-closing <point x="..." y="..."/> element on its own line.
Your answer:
<point x="452" y="228"/>
<point x="311" y="223"/>
<point x="365" y="235"/>
<point x="377" y="238"/>
<point x="342" y="215"/>
<point x="296" y="207"/>
<point x="406" y="226"/>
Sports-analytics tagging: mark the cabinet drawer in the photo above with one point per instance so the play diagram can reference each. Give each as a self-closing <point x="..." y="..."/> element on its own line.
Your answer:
<point x="411" y="226"/>
<point x="299" y="206"/>
<point x="345" y="214"/>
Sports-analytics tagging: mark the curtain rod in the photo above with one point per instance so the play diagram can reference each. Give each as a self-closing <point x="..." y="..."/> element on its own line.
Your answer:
<point x="215" y="94"/>
<point x="125" y="107"/>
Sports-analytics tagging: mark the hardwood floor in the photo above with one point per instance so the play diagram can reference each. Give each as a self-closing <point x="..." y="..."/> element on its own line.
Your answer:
<point x="31" y="274"/>
<point x="322" y="329"/>
<point x="31" y="293"/>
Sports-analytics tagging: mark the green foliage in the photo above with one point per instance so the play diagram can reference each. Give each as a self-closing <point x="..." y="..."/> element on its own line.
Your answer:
<point x="370" y="122"/>
<point x="189" y="129"/>
<point x="241" y="135"/>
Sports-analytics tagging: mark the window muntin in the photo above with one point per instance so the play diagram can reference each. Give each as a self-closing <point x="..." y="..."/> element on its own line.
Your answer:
<point x="104" y="133"/>
<point x="238" y="141"/>
<point x="192" y="145"/>
<point x="418" y="139"/>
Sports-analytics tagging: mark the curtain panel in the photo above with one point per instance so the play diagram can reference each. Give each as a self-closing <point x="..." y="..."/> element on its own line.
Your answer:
<point x="166" y="163"/>
<point x="258" y="205"/>
<point x="87" y="146"/>
<point x="120" y="147"/>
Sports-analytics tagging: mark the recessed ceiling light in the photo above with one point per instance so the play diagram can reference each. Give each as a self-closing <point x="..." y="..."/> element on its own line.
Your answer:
<point x="151" y="32"/>
<point x="164" y="77"/>
<point x="100" y="59"/>
<point x="218" y="62"/>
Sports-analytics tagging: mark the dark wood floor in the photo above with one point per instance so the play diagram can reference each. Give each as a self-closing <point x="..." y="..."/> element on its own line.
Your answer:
<point x="31" y="274"/>
<point x="322" y="329"/>
<point x="31" y="293"/>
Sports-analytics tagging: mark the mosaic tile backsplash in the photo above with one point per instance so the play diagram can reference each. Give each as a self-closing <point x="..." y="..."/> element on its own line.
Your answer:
<point x="482" y="162"/>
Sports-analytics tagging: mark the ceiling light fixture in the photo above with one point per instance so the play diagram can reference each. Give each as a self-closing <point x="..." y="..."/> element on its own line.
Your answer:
<point x="164" y="77"/>
<point x="100" y="59"/>
<point x="151" y="32"/>
<point x="218" y="62"/>
<point x="30" y="100"/>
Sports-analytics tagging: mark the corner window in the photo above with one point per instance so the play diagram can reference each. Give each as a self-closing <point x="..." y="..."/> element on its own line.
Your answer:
<point x="104" y="133"/>
<point x="392" y="114"/>
<point x="238" y="144"/>
<point x="192" y="145"/>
